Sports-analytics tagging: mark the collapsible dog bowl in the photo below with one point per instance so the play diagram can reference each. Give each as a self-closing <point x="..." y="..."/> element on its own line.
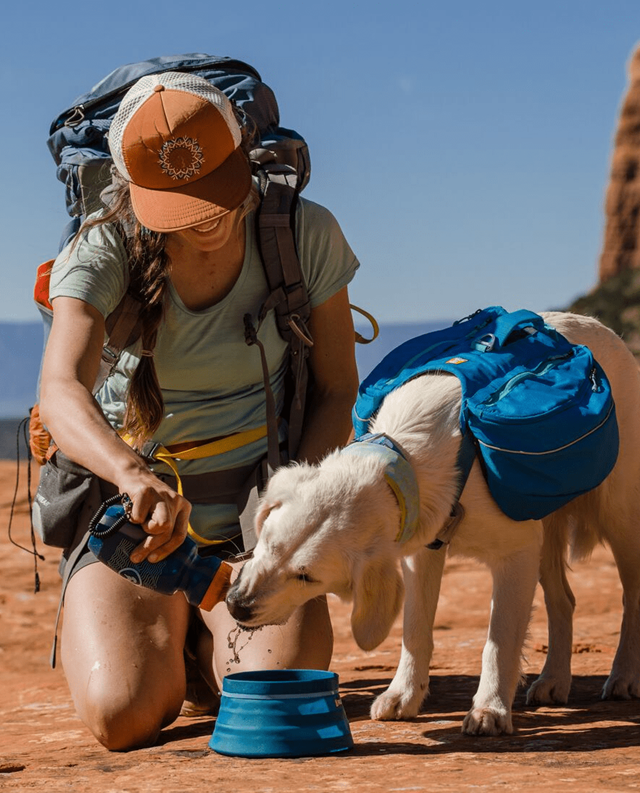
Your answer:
<point x="281" y="713"/>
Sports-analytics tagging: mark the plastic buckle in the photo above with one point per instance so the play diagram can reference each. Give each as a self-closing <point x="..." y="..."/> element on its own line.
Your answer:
<point x="486" y="343"/>
<point x="148" y="451"/>
<point x="110" y="357"/>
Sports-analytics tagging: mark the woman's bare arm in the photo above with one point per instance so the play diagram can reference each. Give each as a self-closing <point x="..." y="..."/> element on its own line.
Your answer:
<point x="74" y="419"/>
<point x="335" y="378"/>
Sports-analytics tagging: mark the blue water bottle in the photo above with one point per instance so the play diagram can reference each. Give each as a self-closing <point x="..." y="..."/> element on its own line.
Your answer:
<point x="204" y="580"/>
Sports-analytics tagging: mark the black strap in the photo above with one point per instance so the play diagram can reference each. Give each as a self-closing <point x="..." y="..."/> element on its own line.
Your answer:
<point x="69" y="568"/>
<point x="287" y="292"/>
<point x="464" y="463"/>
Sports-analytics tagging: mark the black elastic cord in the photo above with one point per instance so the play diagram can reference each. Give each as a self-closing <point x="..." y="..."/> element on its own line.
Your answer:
<point x="23" y="427"/>
<point x="107" y="531"/>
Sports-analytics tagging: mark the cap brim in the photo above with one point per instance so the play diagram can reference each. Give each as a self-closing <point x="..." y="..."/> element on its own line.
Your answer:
<point x="209" y="197"/>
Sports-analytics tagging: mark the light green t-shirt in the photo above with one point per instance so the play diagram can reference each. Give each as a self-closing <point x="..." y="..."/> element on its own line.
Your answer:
<point x="211" y="380"/>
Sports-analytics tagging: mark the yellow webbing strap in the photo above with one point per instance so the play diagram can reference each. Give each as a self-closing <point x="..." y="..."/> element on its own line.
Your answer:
<point x="199" y="452"/>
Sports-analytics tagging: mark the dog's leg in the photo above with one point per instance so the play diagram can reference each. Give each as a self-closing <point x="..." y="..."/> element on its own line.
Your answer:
<point x="514" y="582"/>
<point x="624" y="680"/>
<point x="554" y="682"/>
<point x="410" y="685"/>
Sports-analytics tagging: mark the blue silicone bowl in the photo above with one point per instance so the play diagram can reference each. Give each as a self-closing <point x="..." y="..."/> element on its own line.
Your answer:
<point x="281" y="713"/>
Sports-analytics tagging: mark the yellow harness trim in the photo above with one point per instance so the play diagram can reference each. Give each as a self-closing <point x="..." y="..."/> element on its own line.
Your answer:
<point x="199" y="452"/>
<point x="397" y="491"/>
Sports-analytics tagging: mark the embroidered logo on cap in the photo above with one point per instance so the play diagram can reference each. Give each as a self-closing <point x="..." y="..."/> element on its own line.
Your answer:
<point x="181" y="158"/>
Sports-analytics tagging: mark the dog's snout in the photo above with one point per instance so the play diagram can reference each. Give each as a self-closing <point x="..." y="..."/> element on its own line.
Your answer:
<point x="240" y="613"/>
<point x="239" y="610"/>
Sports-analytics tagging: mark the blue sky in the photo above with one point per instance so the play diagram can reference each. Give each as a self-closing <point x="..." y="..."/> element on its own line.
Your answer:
<point x="463" y="146"/>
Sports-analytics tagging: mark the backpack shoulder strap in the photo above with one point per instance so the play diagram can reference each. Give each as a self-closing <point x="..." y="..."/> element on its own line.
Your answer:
<point x="123" y="329"/>
<point x="276" y="237"/>
<point x="287" y="290"/>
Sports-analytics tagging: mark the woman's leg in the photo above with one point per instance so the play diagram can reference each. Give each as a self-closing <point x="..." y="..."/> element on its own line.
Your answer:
<point x="304" y="642"/>
<point x="122" y="653"/>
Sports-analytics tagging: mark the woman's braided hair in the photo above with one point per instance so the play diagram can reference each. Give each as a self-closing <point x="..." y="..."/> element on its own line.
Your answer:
<point x="149" y="267"/>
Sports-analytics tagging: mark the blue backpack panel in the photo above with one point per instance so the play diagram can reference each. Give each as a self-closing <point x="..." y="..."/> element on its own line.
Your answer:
<point x="539" y="409"/>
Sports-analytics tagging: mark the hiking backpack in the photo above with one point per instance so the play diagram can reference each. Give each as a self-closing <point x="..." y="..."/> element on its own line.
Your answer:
<point x="280" y="161"/>
<point x="536" y="410"/>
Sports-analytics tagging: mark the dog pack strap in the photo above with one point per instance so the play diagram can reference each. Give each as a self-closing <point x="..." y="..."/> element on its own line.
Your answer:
<point x="123" y="329"/>
<point x="507" y="323"/>
<point x="464" y="464"/>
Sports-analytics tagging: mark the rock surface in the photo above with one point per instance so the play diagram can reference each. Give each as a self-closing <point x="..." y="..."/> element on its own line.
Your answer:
<point x="621" y="246"/>
<point x="586" y="745"/>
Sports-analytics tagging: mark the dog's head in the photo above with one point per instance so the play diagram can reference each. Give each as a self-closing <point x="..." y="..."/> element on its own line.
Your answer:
<point x="324" y="528"/>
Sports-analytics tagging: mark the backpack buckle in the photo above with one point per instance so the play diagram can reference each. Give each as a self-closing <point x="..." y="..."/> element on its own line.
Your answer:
<point x="76" y="117"/>
<point x="486" y="343"/>
<point x="299" y="327"/>
<point x="148" y="451"/>
<point x="110" y="357"/>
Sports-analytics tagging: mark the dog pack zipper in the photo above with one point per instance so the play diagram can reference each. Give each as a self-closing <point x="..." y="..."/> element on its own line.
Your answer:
<point x="540" y="370"/>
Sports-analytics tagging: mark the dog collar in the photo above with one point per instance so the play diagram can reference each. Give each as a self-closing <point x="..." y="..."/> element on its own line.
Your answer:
<point x="399" y="475"/>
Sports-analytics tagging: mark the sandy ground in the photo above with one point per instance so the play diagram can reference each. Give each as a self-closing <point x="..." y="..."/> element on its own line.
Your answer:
<point x="588" y="745"/>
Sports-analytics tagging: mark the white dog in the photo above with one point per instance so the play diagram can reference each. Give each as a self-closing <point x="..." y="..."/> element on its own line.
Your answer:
<point x="333" y="527"/>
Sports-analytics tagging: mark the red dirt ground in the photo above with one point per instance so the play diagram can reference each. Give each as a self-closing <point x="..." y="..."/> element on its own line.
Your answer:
<point x="588" y="745"/>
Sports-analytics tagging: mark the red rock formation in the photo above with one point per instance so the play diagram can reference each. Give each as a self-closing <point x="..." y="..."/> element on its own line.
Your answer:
<point x="621" y="246"/>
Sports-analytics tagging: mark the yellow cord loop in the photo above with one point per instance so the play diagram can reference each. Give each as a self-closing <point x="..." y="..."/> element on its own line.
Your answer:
<point x="199" y="452"/>
<point x="374" y="324"/>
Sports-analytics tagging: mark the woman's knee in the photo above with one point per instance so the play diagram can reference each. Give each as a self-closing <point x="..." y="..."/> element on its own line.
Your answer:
<point x="121" y="722"/>
<point x="304" y="642"/>
<point x="124" y="664"/>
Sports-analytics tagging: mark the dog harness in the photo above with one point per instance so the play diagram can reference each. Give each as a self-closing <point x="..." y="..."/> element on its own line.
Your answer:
<point x="398" y="474"/>
<point x="401" y="478"/>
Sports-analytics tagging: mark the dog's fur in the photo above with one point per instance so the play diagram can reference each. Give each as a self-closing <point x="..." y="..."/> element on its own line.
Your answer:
<point x="332" y="528"/>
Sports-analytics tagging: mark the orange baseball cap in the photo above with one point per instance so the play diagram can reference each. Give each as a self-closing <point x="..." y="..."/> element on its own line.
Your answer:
<point x="176" y="140"/>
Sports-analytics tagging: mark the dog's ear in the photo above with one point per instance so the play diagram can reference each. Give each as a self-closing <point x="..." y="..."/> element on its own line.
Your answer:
<point x="262" y="513"/>
<point x="377" y="598"/>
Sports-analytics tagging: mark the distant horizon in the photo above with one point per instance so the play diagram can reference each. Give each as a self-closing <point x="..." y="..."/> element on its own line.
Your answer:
<point x="21" y="347"/>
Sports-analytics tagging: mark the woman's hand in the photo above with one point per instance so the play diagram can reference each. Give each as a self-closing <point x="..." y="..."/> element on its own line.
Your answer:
<point x="162" y="513"/>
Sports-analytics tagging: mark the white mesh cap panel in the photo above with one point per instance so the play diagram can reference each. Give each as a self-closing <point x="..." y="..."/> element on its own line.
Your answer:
<point x="138" y="94"/>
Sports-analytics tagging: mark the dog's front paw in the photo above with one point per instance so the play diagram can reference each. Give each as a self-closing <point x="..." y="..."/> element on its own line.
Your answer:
<point x="398" y="705"/>
<point x="487" y="721"/>
<point x="621" y="687"/>
<point x="548" y="690"/>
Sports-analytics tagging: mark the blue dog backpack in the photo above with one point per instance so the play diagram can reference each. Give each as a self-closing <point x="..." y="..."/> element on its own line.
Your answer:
<point x="539" y="409"/>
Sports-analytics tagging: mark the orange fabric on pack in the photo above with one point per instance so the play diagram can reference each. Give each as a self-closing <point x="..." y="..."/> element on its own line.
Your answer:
<point x="39" y="438"/>
<point x="41" y="287"/>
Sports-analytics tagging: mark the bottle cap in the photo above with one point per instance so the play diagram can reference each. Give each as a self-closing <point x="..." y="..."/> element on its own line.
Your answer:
<point x="218" y="588"/>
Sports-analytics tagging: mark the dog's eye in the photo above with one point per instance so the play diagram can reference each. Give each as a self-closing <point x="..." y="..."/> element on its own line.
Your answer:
<point x="305" y="578"/>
